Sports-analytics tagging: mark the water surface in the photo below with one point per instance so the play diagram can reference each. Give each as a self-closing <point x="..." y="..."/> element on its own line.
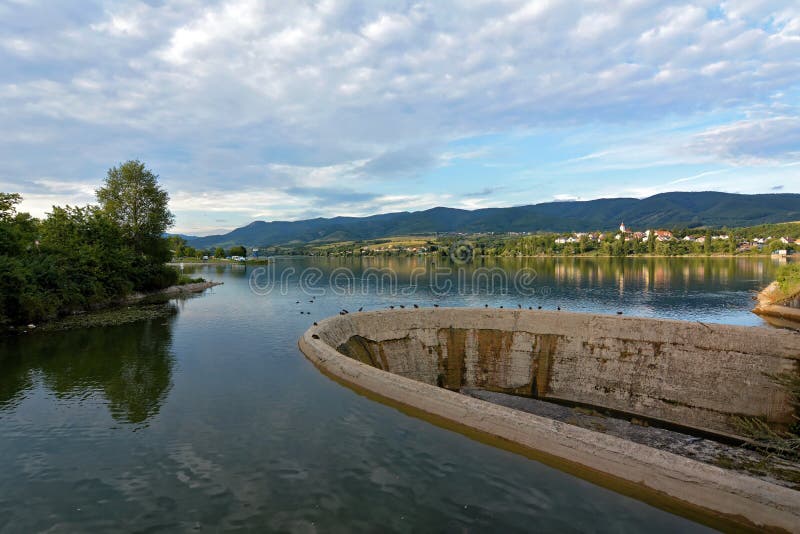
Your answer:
<point x="212" y="419"/>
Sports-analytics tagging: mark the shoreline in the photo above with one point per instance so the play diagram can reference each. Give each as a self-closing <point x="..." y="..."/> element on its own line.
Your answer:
<point x="134" y="307"/>
<point x="771" y="305"/>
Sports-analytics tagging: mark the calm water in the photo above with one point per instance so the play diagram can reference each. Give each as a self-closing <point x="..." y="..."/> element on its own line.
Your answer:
<point x="212" y="419"/>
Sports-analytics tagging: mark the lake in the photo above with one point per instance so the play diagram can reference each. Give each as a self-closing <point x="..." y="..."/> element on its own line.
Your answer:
<point x="212" y="419"/>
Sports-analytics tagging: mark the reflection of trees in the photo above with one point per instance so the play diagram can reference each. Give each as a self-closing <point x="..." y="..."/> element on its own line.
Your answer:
<point x="131" y="365"/>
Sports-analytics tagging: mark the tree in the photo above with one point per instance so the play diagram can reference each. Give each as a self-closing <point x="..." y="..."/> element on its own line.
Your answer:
<point x="219" y="253"/>
<point x="8" y="203"/>
<point x="176" y="244"/>
<point x="132" y="198"/>
<point x="238" y="250"/>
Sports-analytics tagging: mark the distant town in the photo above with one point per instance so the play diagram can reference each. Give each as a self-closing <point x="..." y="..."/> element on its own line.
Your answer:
<point x="778" y="240"/>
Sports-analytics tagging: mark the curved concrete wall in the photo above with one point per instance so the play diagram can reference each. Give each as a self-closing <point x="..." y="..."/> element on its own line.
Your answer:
<point x="688" y="373"/>
<point x="691" y="374"/>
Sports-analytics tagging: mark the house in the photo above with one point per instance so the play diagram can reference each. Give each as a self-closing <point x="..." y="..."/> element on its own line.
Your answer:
<point x="787" y="240"/>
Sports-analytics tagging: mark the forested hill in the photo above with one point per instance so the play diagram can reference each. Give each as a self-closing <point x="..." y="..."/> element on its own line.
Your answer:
<point x="665" y="210"/>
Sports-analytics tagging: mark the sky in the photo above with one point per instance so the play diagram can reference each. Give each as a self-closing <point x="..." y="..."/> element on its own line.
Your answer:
<point x="260" y="110"/>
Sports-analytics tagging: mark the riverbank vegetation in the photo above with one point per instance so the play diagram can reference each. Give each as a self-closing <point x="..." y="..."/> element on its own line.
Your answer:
<point x="788" y="279"/>
<point x="748" y="241"/>
<point x="80" y="258"/>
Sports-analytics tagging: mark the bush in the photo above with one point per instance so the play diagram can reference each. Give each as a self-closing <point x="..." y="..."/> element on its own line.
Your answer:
<point x="788" y="278"/>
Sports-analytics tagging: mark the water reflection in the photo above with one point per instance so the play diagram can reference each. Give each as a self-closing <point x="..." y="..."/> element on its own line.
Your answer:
<point x="400" y="275"/>
<point x="129" y="365"/>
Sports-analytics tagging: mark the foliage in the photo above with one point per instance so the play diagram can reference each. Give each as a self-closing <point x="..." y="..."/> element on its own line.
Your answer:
<point x="80" y="258"/>
<point x="133" y="199"/>
<point x="237" y="251"/>
<point x="788" y="278"/>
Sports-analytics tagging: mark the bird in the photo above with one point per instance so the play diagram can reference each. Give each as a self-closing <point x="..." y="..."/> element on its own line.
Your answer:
<point x="530" y="307"/>
<point x="402" y="306"/>
<point x="539" y="308"/>
<point x="311" y="301"/>
<point x="298" y="302"/>
<point x="345" y="311"/>
<point x="519" y="306"/>
<point x="391" y="307"/>
<point x="361" y="308"/>
<point x="435" y="305"/>
<point x="501" y="307"/>
<point x="485" y="305"/>
<point x="619" y="313"/>
<point x="315" y="323"/>
<point x="558" y="308"/>
<point x="416" y="306"/>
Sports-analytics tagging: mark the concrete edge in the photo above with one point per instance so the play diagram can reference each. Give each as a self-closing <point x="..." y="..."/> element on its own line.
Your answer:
<point x="776" y="310"/>
<point x="743" y="500"/>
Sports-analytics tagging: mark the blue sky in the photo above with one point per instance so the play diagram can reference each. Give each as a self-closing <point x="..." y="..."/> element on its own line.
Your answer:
<point x="288" y="110"/>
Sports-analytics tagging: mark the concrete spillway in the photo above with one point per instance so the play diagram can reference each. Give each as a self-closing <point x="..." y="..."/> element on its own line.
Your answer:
<point x="696" y="375"/>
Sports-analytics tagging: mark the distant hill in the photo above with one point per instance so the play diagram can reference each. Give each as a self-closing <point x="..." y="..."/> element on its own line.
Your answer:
<point x="665" y="210"/>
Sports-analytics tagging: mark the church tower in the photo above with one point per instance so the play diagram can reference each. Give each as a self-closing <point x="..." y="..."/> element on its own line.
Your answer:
<point x="622" y="227"/>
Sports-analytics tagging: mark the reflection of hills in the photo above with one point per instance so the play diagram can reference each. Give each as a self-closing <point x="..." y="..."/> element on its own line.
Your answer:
<point x="626" y="274"/>
<point x="130" y="365"/>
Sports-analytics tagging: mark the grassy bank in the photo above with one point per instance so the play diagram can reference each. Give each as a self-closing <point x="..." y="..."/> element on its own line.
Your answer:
<point x="788" y="279"/>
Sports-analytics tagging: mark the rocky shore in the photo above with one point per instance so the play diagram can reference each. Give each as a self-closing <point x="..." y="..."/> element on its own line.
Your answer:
<point x="773" y="303"/>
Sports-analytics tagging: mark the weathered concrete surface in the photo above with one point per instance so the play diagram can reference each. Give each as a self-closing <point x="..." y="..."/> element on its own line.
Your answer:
<point x="667" y="369"/>
<point x="691" y="374"/>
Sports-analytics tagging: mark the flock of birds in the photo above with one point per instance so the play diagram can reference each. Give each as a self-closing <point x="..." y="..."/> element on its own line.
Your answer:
<point x="402" y="306"/>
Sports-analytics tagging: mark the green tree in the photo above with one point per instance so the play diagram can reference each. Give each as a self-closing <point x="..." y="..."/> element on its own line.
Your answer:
<point x="238" y="250"/>
<point x="8" y="205"/>
<point x="219" y="253"/>
<point x="132" y="197"/>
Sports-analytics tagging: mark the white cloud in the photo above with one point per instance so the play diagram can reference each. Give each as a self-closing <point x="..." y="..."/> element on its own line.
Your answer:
<point x="250" y="95"/>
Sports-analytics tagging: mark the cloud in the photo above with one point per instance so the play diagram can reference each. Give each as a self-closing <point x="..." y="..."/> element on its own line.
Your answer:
<point x="293" y="97"/>
<point x="752" y="141"/>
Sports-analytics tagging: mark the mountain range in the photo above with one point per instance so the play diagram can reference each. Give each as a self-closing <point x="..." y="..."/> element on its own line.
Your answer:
<point x="665" y="210"/>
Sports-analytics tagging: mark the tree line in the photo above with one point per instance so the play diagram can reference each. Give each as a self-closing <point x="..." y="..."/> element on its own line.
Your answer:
<point x="80" y="258"/>
<point x="180" y="249"/>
